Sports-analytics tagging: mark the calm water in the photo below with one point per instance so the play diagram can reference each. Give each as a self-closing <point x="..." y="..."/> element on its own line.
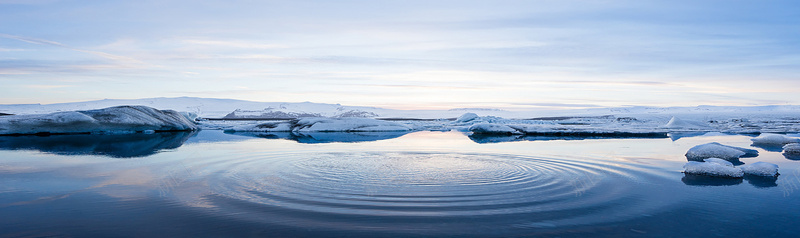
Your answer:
<point x="212" y="184"/>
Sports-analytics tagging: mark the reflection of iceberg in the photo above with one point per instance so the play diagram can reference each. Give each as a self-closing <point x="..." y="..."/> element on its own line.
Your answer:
<point x="762" y="181"/>
<point x="756" y="181"/>
<point x="323" y="137"/>
<point x="118" y="146"/>
<point x="498" y="138"/>
<point x="674" y="136"/>
<point x="701" y="180"/>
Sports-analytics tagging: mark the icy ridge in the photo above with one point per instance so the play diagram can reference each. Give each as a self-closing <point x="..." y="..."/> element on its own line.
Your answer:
<point x="121" y="119"/>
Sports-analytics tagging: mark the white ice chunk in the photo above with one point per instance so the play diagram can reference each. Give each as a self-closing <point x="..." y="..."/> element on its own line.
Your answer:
<point x="792" y="148"/>
<point x="488" y="128"/>
<point x="122" y="119"/>
<point x="760" y="169"/>
<point x="774" y="139"/>
<point x="719" y="161"/>
<point x="717" y="150"/>
<point x="467" y="117"/>
<point x="712" y="169"/>
<point x="677" y="123"/>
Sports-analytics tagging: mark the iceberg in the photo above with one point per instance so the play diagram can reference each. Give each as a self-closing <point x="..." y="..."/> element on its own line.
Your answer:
<point x="121" y="119"/>
<point x="489" y="128"/>
<point x="792" y="149"/>
<point x="773" y="139"/>
<point x="760" y="169"/>
<point x="678" y="124"/>
<point x="467" y="117"/>
<point x="322" y="124"/>
<point x="713" y="167"/>
<point x="717" y="150"/>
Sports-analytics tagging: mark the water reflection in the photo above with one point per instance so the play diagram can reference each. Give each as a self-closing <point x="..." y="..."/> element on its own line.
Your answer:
<point x="494" y="138"/>
<point x="117" y="146"/>
<point x="790" y="156"/>
<point x="770" y="148"/>
<point x="702" y="180"/>
<point x="323" y="137"/>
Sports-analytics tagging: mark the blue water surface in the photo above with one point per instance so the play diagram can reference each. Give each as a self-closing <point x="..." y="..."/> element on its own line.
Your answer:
<point x="422" y="184"/>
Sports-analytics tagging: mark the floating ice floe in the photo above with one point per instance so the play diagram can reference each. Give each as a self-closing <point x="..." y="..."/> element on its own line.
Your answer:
<point x="717" y="150"/>
<point x="489" y="128"/>
<point x="319" y="124"/>
<point x="713" y="167"/>
<point x="760" y="169"/>
<point x="774" y="139"/>
<point x="121" y="119"/>
<point x="792" y="148"/>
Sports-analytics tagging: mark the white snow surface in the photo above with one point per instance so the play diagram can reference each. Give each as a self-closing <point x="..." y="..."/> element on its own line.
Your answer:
<point x="122" y="119"/>
<point x="774" y="139"/>
<point x="716" y="168"/>
<point x="318" y="124"/>
<point x="792" y="148"/>
<point x="760" y="169"/>
<point x="717" y="150"/>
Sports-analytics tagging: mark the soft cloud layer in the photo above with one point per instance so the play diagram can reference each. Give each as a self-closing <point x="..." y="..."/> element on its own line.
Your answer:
<point x="405" y="54"/>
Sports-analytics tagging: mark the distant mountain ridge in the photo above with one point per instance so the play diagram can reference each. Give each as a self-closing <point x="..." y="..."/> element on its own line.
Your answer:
<point x="232" y="108"/>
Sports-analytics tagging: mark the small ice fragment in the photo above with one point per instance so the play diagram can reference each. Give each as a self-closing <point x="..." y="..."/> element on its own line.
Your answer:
<point x="148" y="131"/>
<point x="774" y="139"/>
<point x="717" y="150"/>
<point x="760" y="169"/>
<point x="712" y="169"/>
<point x="467" y="117"/>
<point x="792" y="149"/>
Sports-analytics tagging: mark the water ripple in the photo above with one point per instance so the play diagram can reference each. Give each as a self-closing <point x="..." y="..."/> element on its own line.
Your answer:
<point x="397" y="191"/>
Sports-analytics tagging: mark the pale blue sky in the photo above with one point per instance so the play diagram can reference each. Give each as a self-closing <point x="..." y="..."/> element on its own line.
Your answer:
<point x="405" y="54"/>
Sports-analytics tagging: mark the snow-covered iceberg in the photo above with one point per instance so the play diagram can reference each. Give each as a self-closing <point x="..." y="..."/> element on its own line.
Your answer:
<point x="717" y="150"/>
<point x="467" y="117"/>
<point x="321" y="124"/>
<point x="792" y="149"/>
<point x="121" y="119"/>
<point x="760" y="169"/>
<point x="677" y="124"/>
<point x="713" y="167"/>
<point x="774" y="139"/>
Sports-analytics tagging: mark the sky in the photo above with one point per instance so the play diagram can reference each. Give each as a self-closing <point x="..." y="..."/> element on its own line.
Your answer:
<point x="405" y="54"/>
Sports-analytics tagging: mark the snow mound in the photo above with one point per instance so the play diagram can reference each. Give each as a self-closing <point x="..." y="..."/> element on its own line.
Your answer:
<point x="717" y="150"/>
<point x="676" y="123"/>
<point x="713" y="167"/>
<point x="488" y="128"/>
<point x="121" y="119"/>
<point x="792" y="148"/>
<point x="467" y="117"/>
<point x="321" y="124"/>
<point x="774" y="139"/>
<point x="760" y="169"/>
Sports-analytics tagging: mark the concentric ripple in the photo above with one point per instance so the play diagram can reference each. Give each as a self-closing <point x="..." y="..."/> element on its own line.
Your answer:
<point x="453" y="193"/>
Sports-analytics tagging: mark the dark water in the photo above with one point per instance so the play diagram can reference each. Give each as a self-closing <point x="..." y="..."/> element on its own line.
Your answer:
<point x="212" y="184"/>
